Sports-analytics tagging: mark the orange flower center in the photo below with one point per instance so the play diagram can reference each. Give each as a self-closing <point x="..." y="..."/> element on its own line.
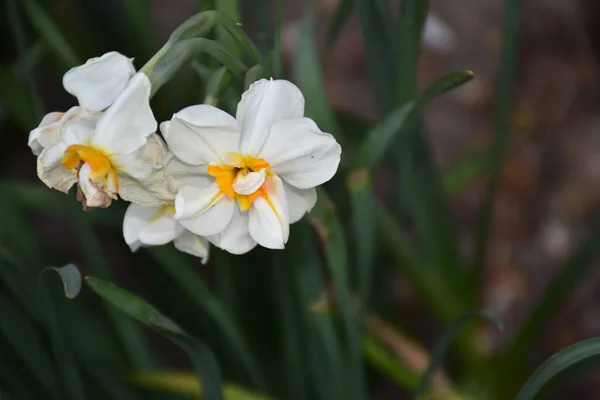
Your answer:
<point x="102" y="168"/>
<point x="237" y="166"/>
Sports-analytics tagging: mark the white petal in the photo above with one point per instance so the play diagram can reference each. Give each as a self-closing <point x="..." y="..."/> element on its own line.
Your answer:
<point x="193" y="244"/>
<point x="52" y="156"/>
<point x="263" y="104"/>
<point x="99" y="82"/>
<point x="193" y="200"/>
<point x="124" y="127"/>
<point x="211" y="221"/>
<point x="186" y="174"/>
<point x="200" y="134"/>
<point x="300" y="201"/>
<point x="269" y="220"/>
<point x="136" y="217"/>
<point x="78" y="131"/>
<point x="249" y="183"/>
<point x="141" y="163"/>
<point x="94" y="196"/>
<point x="301" y="154"/>
<point x="152" y="192"/>
<point x="54" y="174"/>
<point x="43" y="129"/>
<point x="235" y="238"/>
<point x="162" y="229"/>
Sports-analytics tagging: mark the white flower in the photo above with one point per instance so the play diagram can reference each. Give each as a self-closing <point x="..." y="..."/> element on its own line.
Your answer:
<point x="110" y="152"/>
<point x="96" y="84"/>
<point x="254" y="174"/>
<point x="153" y="226"/>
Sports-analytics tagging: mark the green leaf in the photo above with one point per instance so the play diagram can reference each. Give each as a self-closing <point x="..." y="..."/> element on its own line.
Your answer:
<point x="217" y="83"/>
<point x="51" y="34"/>
<point x="67" y="364"/>
<point x="562" y="360"/>
<point x="253" y="74"/>
<point x="140" y="19"/>
<point x="372" y="149"/>
<point x="16" y="100"/>
<point x="187" y="384"/>
<point x="362" y="201"/>
<point x="381" y="52"/>
<point x="465" y="171"/>
<point x="341" y="16"/>
<point x="388" y="365"/>
<point x="550" y="302"/>
<point x="277" y="53"/>
<point x="28" y="343"/>
<point x="309" y="78"/>
<point x="329" y="228"/>
<point x="443" y="344"/>
<point x="502" y="109"/>
<point x="71" y="279"/>
<point x="18" y="32"/>
<point x="176" y="265"/>
<point x="203" y="360"/>
<point x="230" y="8"/>
<point x="133" y="341"/>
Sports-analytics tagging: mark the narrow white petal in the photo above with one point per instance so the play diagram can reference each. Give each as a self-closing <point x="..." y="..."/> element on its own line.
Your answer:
<point x="300" y="201"/>
<point x="194" y="200"/>
<point x="249" y="183"/>
<point x="136" y="217"/>
<point x="124" y="127"/>
<point x="200" y="134"/>
<point x="99" y="82"/>
<point x="78" y="131"/>
<point x="193" y="244"/>
<point x="94" y="196"/>
<point x="263" y="104"/>
<point x="301" y="154"/>
<point x="54" y="174"/>
<point x="269" y="219"/>
<point x="211" y="221"/>
<point x="235" y="238"/>
<point x="162" y="229"/>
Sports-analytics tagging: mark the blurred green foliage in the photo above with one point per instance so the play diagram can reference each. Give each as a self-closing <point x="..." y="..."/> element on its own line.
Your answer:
<point x="295" y="324"/>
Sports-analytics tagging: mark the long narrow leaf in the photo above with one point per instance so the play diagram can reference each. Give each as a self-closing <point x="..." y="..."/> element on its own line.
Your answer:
<point x="202" y="358"/>
<point x="562" y="360"/>
<point x="504" y="91"/>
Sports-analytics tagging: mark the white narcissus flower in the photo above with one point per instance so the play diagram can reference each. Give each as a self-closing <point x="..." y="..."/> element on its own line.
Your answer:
<point x="254" y="174"/>
<point x="114" y="152"/>
<point x="96" y="84"/>
<point x="153" y="226"/>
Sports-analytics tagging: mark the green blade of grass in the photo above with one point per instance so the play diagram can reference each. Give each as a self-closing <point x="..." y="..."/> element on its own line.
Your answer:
<point x="379" y="46"/>
<point x="177" y="266"/>
<point x="201" y="356"/>
<point x="502" y="108"/>
<point x="230" y="8"/>
<point x="552" y="299"/>
<point x="362" y="202"/>
<point x="562" y="360"/>
<point x="324" y="216"/>
<point x="49" y="31"/>
<point x="465" y="171"/>
<point x="309" y="78"/>
<point x="23" y="336"/>
<point x="134" y="343"/>
<point x="443" y="344"/>
<point x="343" y="12"/>
<point x="380" y="359"/>
<point x="18" y="32"/>
<point x="65" y="359"/>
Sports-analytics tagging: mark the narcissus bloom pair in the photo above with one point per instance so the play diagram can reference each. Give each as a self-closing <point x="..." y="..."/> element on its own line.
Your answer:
<point x="234" y="182"/>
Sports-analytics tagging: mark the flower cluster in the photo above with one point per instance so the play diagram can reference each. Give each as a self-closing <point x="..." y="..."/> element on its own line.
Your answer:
<point x="232" y="181"/>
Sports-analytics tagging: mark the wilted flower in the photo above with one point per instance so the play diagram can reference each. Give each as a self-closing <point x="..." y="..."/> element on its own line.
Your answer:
<point x="153" y="226"/>
<point x="253" y="175"/>
<point x="106" y="152"/>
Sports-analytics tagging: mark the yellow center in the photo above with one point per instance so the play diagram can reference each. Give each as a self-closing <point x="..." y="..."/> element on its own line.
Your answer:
<point x="236" y="166"/>
<point x="99" y="163"/>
